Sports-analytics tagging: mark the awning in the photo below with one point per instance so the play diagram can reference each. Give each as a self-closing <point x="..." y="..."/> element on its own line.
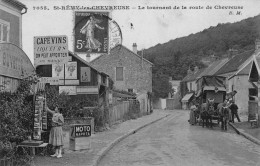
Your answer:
<point x="214" y="88"/>
<point x="187" y="97"/>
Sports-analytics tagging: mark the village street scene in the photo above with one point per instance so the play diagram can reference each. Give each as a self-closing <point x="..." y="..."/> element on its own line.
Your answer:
<point x="108" y="83"/>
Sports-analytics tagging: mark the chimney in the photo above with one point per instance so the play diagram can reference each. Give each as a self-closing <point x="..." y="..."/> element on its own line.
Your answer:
<point x="135" y="48"/>
<point x="257" y="44"/>
<point x="88" y="57"/>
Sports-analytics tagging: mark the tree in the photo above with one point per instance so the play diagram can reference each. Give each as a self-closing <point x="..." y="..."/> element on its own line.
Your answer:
<point x="161" y="86"/>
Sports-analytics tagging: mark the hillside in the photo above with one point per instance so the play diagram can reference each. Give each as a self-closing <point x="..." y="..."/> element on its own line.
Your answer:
<point x="176" y="56"/>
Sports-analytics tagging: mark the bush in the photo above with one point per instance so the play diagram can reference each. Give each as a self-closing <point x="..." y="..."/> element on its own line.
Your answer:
<point x="77" y="106"/>
<point x="72" y="106"/>
<point x="16" y="117"/>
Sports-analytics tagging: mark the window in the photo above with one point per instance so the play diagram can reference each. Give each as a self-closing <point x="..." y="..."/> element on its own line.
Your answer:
<point x="4" y="31"/>
<point x="253" y="93"/>
<point x="119" y="73"/>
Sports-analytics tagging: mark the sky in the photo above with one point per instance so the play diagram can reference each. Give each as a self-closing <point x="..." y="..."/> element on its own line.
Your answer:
<point x="149" y="26"/>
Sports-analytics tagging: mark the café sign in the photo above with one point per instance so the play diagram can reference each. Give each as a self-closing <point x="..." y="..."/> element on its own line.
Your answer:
<point x="50" y="50"/>
<point x="14" y="62"/>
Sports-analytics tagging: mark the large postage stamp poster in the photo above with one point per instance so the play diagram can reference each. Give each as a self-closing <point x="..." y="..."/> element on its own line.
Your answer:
<point x="91" y="32"/>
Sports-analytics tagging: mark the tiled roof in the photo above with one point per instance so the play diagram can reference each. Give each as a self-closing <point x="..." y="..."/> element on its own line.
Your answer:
<point x="234" y="63"/>
<point x="193" y="76"/>
<point x="246" y="69"/>
<point x="214" y="67"/>
<point x="116" y="49"/>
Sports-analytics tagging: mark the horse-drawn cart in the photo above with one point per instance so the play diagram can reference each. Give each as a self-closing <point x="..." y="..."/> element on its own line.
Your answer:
<point x="211" y="91"/>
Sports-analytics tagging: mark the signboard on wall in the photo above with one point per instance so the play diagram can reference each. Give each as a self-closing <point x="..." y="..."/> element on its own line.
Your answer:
<point x="57" y="81"/>
<point x="71" y="70"/>
<point x="50" y="49"/>
<point x="14" y="62"/>
<point x="69" y="90"/>
<point x="50" y="80"/>
<point x="87" y="90"/>
<point x="91" y="32"/>
<point x="85" y="74"/>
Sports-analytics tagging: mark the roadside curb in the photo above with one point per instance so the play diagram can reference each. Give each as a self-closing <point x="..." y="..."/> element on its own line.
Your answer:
<point x="248" y="136"/>
<point x="103" y="151"/>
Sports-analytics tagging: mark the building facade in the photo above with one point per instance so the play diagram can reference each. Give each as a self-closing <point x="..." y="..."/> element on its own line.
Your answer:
<point x="238" y="81"/>
<point x="128" y="70"/>
<point x="14" y="63"/>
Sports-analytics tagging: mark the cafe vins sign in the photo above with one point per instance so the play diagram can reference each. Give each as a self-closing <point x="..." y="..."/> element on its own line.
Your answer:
<point x="50" y="50"/>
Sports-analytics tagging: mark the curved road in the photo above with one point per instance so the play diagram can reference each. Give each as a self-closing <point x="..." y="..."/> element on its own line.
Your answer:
<point x="172" y="141"/>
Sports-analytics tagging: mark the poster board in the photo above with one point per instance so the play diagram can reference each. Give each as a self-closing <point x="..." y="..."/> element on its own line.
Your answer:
<point x="40" y="117"/>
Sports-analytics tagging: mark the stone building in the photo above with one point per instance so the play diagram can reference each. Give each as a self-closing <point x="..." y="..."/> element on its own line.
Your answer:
<point x="128" y="70"/>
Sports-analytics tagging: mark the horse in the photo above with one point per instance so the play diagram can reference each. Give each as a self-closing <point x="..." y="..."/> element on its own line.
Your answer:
<point x="221" y="105"/>
<point x="207" y="110"/>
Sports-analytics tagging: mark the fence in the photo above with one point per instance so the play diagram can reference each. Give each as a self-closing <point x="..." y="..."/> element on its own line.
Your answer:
<point x="118" y="111"/>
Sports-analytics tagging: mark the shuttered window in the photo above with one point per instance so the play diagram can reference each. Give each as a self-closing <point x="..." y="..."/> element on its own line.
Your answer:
<point x="4" y="31"/>
<point x="119" y="73"/>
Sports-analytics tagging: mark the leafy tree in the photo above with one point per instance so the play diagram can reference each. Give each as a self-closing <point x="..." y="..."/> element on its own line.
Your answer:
<point x="161" y="86"/>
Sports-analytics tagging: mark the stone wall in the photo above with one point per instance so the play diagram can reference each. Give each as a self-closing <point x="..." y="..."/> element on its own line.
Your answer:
<point x="137" y="72"/>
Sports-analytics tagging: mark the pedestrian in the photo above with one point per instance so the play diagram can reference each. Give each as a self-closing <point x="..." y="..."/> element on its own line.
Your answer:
<point x="234" y="112"/>
<point x="192" y="120"/>
<point x="224" y="115"/>
<point x="56" y="133"/>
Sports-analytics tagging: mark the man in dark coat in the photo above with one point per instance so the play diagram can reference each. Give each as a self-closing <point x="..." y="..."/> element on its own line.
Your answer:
<point x="234" y="112"/>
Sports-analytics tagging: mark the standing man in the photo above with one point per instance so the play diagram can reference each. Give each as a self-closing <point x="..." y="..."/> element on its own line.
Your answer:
<point x="192" y="119"/>
<point x="234" y="112"/>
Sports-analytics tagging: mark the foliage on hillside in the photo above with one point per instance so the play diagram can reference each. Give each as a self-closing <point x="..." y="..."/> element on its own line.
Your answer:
<point x="176" y="56"/>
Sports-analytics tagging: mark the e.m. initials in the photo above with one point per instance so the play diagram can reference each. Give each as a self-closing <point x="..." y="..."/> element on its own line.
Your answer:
<point x="235" y="13"/>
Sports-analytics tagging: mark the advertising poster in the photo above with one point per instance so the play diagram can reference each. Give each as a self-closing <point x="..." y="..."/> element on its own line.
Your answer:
<point x="85" y="74"/>
<point x="71" y="70"/>
<point x="91" y="32"/>
<point x="58" y="71"/>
